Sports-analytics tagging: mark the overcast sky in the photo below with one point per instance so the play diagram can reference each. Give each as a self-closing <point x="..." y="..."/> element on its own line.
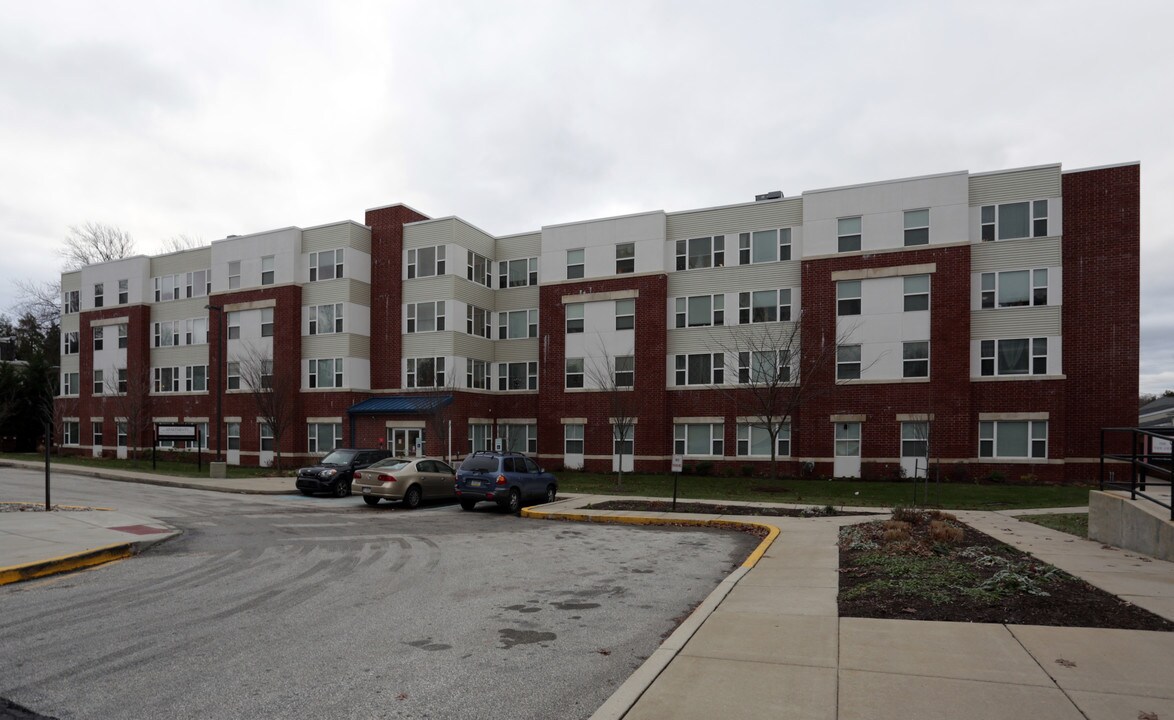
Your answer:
<point x="217" y="118"/>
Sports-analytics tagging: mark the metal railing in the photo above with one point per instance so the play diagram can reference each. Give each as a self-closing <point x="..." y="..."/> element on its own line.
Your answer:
<point x="1147" y="466"/>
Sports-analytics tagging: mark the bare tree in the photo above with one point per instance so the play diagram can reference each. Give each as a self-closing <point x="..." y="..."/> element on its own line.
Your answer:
<point x="180" y="242"/>
<point x="40" y="301"/>
<point x="94" y="242"/>
<point x="129" y="393"/>
<point x="614" y="376"/>
<point x="274" y="394"/>
<point x="438" y="416"/>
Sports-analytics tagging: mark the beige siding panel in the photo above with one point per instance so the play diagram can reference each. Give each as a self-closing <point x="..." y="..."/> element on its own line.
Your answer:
<point x="471" y="346"/>
<point x="1015" y="322"/>
<point x="336" y="291"/>
<point x="738" y="218"/>
<point x="519" y="246"/>
<point x="722" y="339"/>
<point x="1015" y="185"/>
<point x="70" y="364"/>
<point x="516" y="350"/>
<point x="179" y="310"/>
<point x="336" y="345"/>
<point x="522" y="298"/>
<point x="472" y="293"/>
<point x="71" y="280"/>
<point x="346" y="234"/>
<point x="440" y="287"/>
<point x="71" y="322"/>
<point x="473" y="239"/>
<point x="181" y="262"/>
<point x="179" y="356"/>
<point x="732" y="279"/>
<point x="428" y="344"/>
<point x="360" y="237"/>
<point x="425" y="233"/>
<point x="1014" y="254"/>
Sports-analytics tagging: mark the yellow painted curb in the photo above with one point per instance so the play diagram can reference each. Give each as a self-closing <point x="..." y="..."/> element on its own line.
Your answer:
<point x="751" y="560"/>
<point x="65" y="563"/>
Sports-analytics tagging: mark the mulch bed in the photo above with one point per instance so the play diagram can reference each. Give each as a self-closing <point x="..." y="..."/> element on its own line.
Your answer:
<point x="718" y="509"/>
<point x="972" y="579"/>
<point x="38" y="507"/>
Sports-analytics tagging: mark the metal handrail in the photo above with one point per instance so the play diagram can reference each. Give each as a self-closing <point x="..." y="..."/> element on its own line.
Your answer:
<point x="1144" y="470"/>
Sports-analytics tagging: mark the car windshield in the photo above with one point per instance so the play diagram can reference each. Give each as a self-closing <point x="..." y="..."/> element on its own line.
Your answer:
<point x="339" y="457"/>
<point x="391" y="464"/>
<point x="479" y="464"/>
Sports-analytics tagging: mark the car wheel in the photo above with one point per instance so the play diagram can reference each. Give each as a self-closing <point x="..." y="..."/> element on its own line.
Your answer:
<point x="372" y="501"/>
<point x="468" y="504"/>
<point x="342" y="489"/>
<point x="412" y="497"/>
<point x="550" y="493"/>
<point x="515" y="501"/>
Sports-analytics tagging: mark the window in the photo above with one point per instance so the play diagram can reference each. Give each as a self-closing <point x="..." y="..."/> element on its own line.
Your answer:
<point x="99" y="383"/>
<point x="625" y="258"/>
<point x="196" y="378"/>
<point x="196" y="331"/>
<point x="478" y="269"/>
<point x="234" y="274"/>
<point x="477" y="375"/>
<point x="72" y="301"/>
<point x="266" y="379"/>
<point x="623" y="446"/>
<point x="167" y="288"/>
<point x="848" y="297"/>
<point x="699" y="439"/>
<point x="326" y="373"/>
<point x="848" y="234"/>
<point x="480" y="437"/>
<point x="425" y="372"/>
<point x="202" y="432"/>
<point x="166" y="379"/>
<point x="99" y="337"/>
<point x="520" y="438"/>
<point x="121" y="381"/>
<point x="1013" y="439"/>
<point x="70" y="432"/>
<point x="122" y="338"/>
<point x="325" y="319"/>
<point x="1011" y="221"/>
<point x="426" y="261"/>
<point x="701" y="252"/>
<point x="518" y="273"/>
<point x="70" y="383"/>
<point x="1014" y="288"/>
<point x="916" y="293"/>
<point x="70" y="344"/>
<point x="574" y="373"/>
<point x="764" y="246"/>
<point x="848" y="362"/>
<point x="625" y="371"/>
<point x="916" y="227"/>
<point x="234" y="326"/>
<point x="574" y="318"/>
<point x="915" y="359"/>
<point x="517" y="376"/>
<point x="98" y="427"/>
<point x="763" y="367"/>
<point x="233" y="431"/>
<point x="573" y="439"/>
<point x="848" y="439"/>
<point x="167" y="334"/>
<point x="626" y="314"/>
<point x="477" y="321"/>
<point x="700" y="369"/>
<point x="99" y="294"/>
<point x="754" y="440"/>
<point x="267" y="322"/>
<point x="764" y="306"/>
<point x="197" y="284"/>
<point x="120" y="433"/>
<point x="1011" y="357"/>
<point x="426" y="316"/>
<point x="574" y="264"/>
<point x="123" y="292"/>
<point x="700" y="310"/>
<point x="915" y="439"/>
<point x="234" y="375"/>
<point x="267" y="270"/>
<point x="517" y="324"/>
<point x="323" y="437"/>
<point x="326" y="265"/>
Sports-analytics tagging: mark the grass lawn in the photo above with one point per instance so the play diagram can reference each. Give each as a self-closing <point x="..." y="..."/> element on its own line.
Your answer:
<point x="959" y="496"/>
<point x="184" y="468"/>
<point x="1071" y="523"/>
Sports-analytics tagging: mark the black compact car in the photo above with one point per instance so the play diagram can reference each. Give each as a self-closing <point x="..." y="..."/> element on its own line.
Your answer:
<point x="333" y="475"/>
<point x="508" y="479"/>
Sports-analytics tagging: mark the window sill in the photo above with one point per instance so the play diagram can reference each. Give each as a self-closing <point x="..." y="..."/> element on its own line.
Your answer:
<point x="1016" y="378"/>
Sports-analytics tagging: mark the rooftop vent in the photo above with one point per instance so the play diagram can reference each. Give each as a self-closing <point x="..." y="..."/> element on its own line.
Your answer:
<point x="772" y="195"/>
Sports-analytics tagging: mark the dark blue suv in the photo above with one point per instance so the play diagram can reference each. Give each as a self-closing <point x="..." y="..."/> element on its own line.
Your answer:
<point x="508" y="479"/>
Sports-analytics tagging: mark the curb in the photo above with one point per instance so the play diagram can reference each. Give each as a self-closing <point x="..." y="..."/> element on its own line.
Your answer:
<point x="106" y="475"/>
<point x="66" y="563"/>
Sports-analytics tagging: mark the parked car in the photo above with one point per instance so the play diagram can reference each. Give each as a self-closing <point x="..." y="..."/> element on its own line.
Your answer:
<point x="407" y="480"/>
<point x="334" y="473"/>
<point x="508" y="479"/>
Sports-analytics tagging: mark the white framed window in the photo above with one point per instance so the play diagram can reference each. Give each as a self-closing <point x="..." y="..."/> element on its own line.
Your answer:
<point x="121" y="373"/>
<point x="625" y="258"/>
<point x="267" y="270"/>
<point x="196" y="331"/>
<point x="99" y="383"/>
<point x="848" y="362"/>
<point x="1014" y="288"/>
<point x="848" y="234"/>
<point x="71" y="432"/>
<point x="573" y="439"/>
<point x="477" y="374"/>
<point x="478" y="322"/>
<point x="517" y="376"/>
<point x="426" y="261"/>
<point x="754" y="441"/>
<point x="265" y="436"/>
<point x="759" y="306"/>
<point x="915" y="359"/>
<point x="234" y="375"/>
<point x="626" y="314"/>
<point x="123" y="292"/>
<point x="166" y="379"/>
<point x="520" y="438"/>
<point x="574" y="313"/>
<point x="234" y="274"/>
<point x="574" y="373"/>
<point x="699" y="369"/>
<point x="702" y="252"/>
<point x="425" y="317"/>
<point x="167" y="334"/>
<point x="98" y="427"/>
<point x="266" y="378"/>
<point x="99" y="294"/>
<point x="99" y="337"/>
<point x="762" y="246"/>
<point x="425" y="372"/>
<point x="847" y="439"/>
<point x="326" y="265"/>
<point x="232" y="432"/>
<point x="122" y="336"/>
<point x="321" y="438"/>
<point x="625" y="371"/>
<point x="478" y="269"/>
<point x="517" y="273"/>
<point x="120" y="433"/>
<point x="699" y="439"/>
<point x="1011" y="221"/>
<point x="198" y="283"/>
<point x="325" y="372"/>
<point x="626" y="447"/>
<point x="196" y="378"/>
<point x="1013" y="356"/>
<point x="915" y="439"/>
<point x="234" y="325"/>
<point x="848" y="297"/>
<point x="72" y="301"/>
<point x="916" y="227"/>
<point x="763" y="367"/>
<point x="202" y="432"/>
<point x="700" y="310"/>
<point x="267" y="322"/>
<point x="517" y="324"/>
<point x="167" y="287"/>
<point x="69" y="343"/>
<point x="325" y="319"/>
<point x="1013" y="439"/>
<point x="916" y="292"/>
<point x="574" y="264"/>
<point x="480" y="437"/>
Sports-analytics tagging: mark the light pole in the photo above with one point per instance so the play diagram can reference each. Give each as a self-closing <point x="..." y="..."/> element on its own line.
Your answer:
<point x="221" y="348"/>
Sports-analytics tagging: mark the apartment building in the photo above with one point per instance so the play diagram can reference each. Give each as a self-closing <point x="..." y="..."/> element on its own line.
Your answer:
<point x="986" y="323"/>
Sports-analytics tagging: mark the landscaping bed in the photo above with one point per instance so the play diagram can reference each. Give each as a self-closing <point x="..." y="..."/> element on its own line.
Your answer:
<point x="720" y="509"/>
<point x="925" y="565"/>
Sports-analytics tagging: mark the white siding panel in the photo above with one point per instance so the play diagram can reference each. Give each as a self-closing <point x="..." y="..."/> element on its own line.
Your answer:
<point x="1015" y="322"/>
<point x="516" y="350"/>
<point x="1016" y="254"/>
<point x="738" y="277"/>
<point x="736" y="218"/>
<point x="1015" y="185"/>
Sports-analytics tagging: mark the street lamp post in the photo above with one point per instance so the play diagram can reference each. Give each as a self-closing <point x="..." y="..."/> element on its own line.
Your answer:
<point x="221" y="347"/>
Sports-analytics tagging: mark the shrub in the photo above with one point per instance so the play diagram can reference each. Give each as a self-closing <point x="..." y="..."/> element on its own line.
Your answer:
<point x="747" y="470"/>
<point x="704" y="468"/>
<point x="941" y="532"/>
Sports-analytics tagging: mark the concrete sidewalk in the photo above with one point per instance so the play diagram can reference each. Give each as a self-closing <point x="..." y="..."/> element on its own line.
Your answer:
<point x="768" y="643"/>
<point x="278" y="485"/>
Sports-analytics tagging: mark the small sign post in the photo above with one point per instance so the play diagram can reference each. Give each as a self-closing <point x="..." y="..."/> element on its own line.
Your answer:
<point x="175" y="431"/>
<point x="678" y="464"/>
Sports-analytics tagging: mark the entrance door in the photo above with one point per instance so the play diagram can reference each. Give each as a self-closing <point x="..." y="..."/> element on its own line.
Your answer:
<point x="404" y="441"/>
<point x="847" y="463"/>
